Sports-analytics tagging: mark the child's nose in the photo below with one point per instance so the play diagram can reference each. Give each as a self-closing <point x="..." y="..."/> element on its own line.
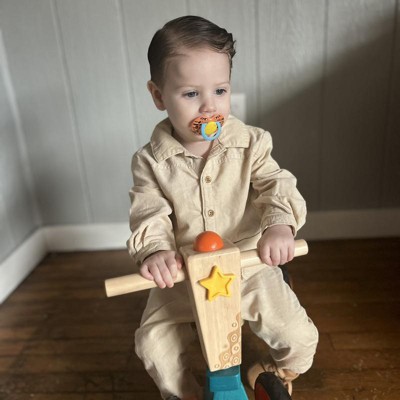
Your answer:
<point x="208" y="106"/>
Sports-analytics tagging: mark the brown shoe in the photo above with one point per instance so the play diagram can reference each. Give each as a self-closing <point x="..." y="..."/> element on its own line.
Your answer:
<point x="285" y="375"/>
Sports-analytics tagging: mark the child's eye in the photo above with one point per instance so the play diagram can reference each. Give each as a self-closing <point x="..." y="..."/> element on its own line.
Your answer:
<point x="220" y="92"/>
<point x="191" y="94"/>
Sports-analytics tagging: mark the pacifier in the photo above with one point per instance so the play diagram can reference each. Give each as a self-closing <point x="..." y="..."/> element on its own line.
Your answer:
<point x="209" y="128"/>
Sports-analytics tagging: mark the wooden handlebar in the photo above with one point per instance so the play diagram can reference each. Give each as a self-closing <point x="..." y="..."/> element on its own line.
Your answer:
<point x="135" y="282"/>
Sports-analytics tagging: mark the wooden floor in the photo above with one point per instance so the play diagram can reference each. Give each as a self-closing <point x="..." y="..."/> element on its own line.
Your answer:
<point x="60" y="338"/>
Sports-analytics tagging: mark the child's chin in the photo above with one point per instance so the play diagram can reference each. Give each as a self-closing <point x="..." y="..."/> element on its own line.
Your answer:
<point x="198" y="137"/>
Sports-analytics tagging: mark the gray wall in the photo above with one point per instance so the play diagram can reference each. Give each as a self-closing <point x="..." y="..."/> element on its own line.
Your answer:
<point x="322" y="76"/>
<point x="18" y="211"/>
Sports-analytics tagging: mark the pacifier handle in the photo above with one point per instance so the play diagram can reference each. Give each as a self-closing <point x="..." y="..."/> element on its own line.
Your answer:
<point x="215" y="135"/>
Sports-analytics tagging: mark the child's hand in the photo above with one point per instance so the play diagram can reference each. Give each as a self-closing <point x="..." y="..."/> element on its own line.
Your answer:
<point x="276" y="245"/>
<point x="162" y="267"/>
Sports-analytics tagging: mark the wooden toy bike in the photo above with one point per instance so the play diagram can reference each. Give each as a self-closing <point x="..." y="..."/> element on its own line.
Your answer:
<point x="212" y="271"/>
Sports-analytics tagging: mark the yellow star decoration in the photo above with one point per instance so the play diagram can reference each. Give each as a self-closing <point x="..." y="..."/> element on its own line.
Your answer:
<point x="217" y="284"/>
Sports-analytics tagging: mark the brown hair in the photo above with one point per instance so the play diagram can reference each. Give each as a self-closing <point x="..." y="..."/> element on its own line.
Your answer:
<point x="188" y="31"/>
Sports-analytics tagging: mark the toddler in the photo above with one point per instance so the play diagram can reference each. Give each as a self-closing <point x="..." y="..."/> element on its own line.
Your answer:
<point x="194" y="177"/>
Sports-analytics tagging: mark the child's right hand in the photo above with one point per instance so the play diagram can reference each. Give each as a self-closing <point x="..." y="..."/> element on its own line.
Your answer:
<point x="162" y="267"/>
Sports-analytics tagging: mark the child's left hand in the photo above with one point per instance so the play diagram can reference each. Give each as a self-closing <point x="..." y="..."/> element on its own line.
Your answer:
<point x="276" y="245"/>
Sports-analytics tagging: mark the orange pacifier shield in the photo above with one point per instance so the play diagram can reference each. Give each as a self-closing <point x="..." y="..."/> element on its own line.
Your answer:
<point x="209" y="128"/>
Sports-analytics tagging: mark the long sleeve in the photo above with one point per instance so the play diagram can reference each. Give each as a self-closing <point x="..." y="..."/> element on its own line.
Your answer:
<point x="150" y="224"/>
<point x="277" y="196"/>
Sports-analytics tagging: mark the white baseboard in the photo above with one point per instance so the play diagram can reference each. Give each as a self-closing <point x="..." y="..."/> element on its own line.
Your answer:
<point x="15" y="268"/>
<point x="86" y="237"/>
<point x="320" y="226"/>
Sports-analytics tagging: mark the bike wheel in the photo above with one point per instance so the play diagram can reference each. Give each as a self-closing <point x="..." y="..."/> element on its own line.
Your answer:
<point x="269" y="387"/>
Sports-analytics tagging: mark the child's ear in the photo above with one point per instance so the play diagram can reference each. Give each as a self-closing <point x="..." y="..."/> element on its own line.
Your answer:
<point x="156" y="95"/>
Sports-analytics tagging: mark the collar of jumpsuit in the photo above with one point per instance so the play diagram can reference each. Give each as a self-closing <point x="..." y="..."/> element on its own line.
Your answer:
<point x="164" y="145"/>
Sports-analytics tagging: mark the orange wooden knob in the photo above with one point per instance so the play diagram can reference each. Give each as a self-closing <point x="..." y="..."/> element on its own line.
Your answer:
<point x="208" y="241"/>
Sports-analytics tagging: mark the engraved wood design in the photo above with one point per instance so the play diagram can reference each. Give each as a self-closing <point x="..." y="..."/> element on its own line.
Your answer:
<point x="218" y="321"/>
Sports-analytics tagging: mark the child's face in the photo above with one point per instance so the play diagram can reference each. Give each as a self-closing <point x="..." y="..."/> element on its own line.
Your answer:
<point x="197" y="83"/>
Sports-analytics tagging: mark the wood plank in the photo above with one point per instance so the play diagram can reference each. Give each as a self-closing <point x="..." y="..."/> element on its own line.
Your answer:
<point x="383" y="379"/>
<point x="89" y="396"/>
<point x="68" y="385"/>
<point x="7" y="242"/>
<point x="99" y="330"/>
<point x="32" y="364"/>
<point x="391" y="181"/>
<point x="17" y="206"/>
<point x="41" y="396"/>
<point x="366" y="340"/>
<point x="353" y="317"/>
<point x="92" y="42"/>
<point x="370" y="394"/>
<point x="345" y="292"/>
<point x="359" y="52"/>
<point x="11" y="348"/>
<point x="6" y="363"/>
<point x="359" y="360"/>
<point x="8" y="135"/>
<point x="17" y="333"/>
<point x="62" y="346"/>
<point x="347" y="379"/>
<point x="44" y="108"/>
<point x="91" y="345"/>
<point x="56" y="383"/>
<point x="291" y="60"/>
<point x="140" y="24"/>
